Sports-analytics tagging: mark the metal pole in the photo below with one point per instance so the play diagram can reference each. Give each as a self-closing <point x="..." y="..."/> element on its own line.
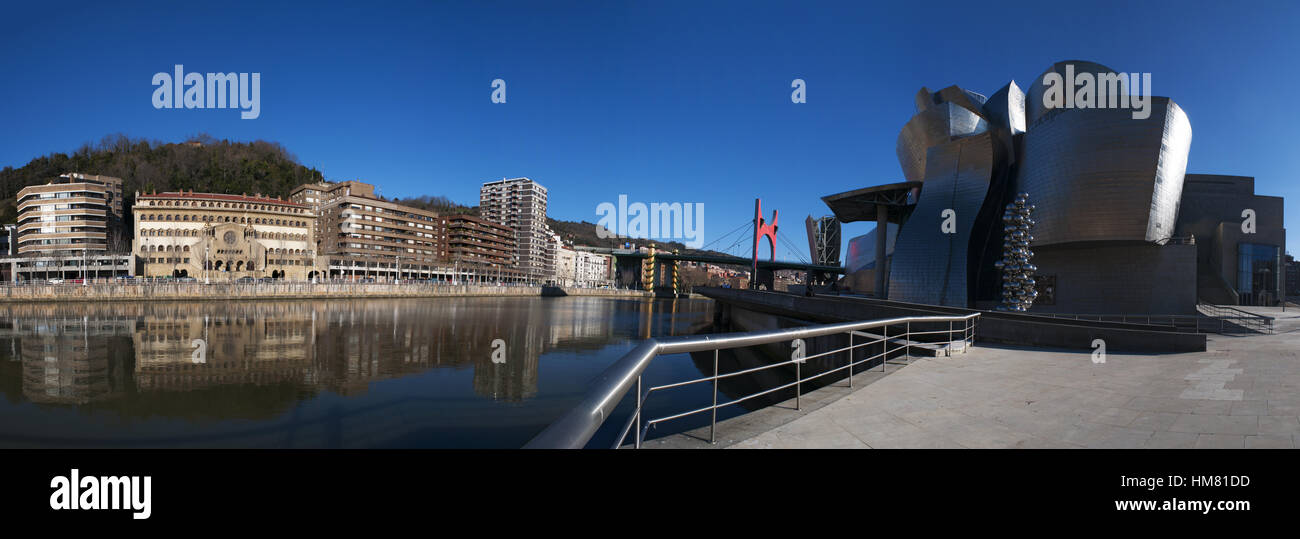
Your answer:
<point x="713" y="425"/>
<point x="882" y="229"/>
<point x="639" y="402"/>
<point x="907" y="343"/>
<point x="850" y="360"/>
<point x="884" y="349"/>
<point x="798" y="383"/>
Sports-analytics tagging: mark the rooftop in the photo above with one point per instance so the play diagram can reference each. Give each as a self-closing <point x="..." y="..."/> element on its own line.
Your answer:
<point x="191" y="195"/>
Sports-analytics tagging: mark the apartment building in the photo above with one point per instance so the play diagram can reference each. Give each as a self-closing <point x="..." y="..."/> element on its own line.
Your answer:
<point x="566" y="266"/>
<point x="360" y="235"/>
<point x="477" y="242"/>
<point x="593" y="270"/>
<point x="76" y="214"/>
<point x="582" y="269"/>
<point x="520" y="203"/>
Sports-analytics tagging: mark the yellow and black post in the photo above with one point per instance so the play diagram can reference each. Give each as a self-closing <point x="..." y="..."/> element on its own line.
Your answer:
<point x="648" y="270"/>
<point x="676" y="279"/>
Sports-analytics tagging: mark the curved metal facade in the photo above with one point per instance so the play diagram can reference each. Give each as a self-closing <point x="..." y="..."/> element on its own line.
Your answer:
<point x="1101" y="175"/>
<point x="1034" y="109"/>
<point x="932" y="126"/>
<point x="1095" y="175"/>
<point x="931" y="266"/>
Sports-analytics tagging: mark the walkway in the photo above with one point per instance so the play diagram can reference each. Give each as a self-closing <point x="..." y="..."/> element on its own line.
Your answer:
<point x="1244" y="392"/>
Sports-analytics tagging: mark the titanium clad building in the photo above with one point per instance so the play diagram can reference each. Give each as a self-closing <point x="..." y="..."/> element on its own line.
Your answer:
<point x="1101" y="175"/>
<point x="1119" y="226"/>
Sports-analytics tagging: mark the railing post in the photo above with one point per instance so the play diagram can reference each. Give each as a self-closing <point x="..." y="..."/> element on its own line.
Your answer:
<point x="907" y="343"/>
<point x="713" y="425"/>
<point x="850" y="359"/>
<point x="884" y="347"/>
<point x="798" y="383"/>
<point x="638" y="411"/>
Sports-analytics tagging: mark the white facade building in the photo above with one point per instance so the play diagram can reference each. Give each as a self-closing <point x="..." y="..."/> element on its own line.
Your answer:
<point x="520" y="203"/>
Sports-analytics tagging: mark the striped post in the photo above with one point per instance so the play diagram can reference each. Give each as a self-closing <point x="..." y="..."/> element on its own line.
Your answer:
<point x="648" y="270"/>
<point x="676" y="278"/>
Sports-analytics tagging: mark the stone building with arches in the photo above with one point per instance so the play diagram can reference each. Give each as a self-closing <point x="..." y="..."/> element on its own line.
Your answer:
<point x="218" y="237"/>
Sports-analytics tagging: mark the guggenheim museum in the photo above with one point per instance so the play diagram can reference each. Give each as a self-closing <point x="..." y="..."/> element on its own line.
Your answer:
<point x="1119" y="226"/>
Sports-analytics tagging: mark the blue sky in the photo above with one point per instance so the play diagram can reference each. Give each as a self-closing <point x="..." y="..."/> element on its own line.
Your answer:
<point x="661" y="101"/>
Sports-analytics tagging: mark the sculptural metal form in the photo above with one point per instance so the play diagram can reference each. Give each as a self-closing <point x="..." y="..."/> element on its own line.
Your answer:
<point x="1018" y="292"/>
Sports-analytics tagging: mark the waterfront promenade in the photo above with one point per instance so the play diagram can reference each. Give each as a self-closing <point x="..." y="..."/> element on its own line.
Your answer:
<point x="1243" y="392"/>
<point x="148" y="291"/>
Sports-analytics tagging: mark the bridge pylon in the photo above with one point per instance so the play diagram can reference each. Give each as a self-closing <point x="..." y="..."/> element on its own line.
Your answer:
<point x="762" y="229"/>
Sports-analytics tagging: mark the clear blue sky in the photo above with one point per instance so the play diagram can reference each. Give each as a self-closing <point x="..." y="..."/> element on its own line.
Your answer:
<point x="661" y="101"/>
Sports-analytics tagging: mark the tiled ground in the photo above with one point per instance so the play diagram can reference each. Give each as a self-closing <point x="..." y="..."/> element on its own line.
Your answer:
<point x="1244" y="392"/>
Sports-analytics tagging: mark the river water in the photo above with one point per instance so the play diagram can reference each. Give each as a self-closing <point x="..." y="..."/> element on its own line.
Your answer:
<point x="393" y="373"/>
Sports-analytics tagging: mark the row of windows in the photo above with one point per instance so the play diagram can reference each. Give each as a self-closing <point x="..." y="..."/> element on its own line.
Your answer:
<point x="227" y="205"/>
<point x="221" y="219"/>
<point x="62" y="194"/>
<point x="377" y="209"/>
<point x="63" y="241"/>
<point x="194" y="233"/>
<point x="186" y="249"/>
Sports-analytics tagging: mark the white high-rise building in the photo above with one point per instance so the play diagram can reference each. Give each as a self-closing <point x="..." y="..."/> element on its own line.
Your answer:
<point x="520" y="203"/>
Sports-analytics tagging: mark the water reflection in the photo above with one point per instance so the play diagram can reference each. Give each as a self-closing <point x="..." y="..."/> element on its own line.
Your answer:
<point x="406" y="372"/>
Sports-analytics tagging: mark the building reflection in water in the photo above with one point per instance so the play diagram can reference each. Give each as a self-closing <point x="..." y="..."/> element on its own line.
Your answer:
<point x="255" y="360"/>
<point x="69" y="360"/>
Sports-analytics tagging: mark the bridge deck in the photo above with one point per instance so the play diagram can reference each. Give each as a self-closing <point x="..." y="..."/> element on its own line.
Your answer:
<point x="732" y="261"/>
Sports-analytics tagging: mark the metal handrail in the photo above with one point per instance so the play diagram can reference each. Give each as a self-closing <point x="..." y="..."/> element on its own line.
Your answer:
<point x="576" y="427"/>
<point x="1202" y="323"/>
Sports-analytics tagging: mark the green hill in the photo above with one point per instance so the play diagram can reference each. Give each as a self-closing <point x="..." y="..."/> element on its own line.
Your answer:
<point x="202" y="164"/>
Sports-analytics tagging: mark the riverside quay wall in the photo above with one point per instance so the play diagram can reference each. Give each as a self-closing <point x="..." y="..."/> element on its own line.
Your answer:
<point x="282" y="290"/>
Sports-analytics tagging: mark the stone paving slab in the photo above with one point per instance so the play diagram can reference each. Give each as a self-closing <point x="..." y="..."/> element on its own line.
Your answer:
<point x="1243" y="392"/>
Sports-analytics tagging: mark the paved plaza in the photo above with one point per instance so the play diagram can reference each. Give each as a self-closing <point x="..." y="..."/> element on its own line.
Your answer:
<point x="1243" y="392"/>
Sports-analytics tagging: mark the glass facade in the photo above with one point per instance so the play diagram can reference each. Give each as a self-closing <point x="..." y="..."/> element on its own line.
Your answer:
<point x="1257" y="273"/>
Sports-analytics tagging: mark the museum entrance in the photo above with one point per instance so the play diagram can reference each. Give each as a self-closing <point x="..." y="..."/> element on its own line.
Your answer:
<point x="1257" y="274"/>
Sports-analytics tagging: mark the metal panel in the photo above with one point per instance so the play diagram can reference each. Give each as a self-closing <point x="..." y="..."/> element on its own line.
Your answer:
<point x="1034" y="108"/>
<point x="930" y="127"/>
<point x="1100" y="174"/>
<point x="930" y="266"/>
<point x="1006" y="109"/>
